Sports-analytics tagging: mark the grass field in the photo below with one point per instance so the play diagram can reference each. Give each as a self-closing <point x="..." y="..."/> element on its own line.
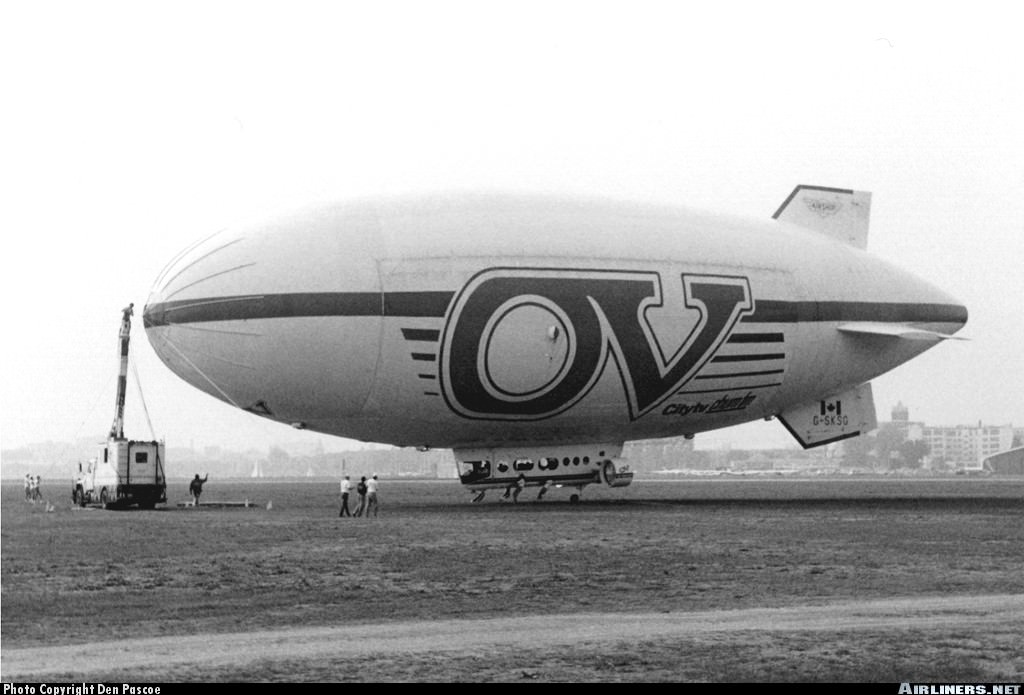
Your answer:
<point x="74" y="576"/>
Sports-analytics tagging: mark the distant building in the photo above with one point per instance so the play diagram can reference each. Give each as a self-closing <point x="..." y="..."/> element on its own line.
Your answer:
<point x="901" y="421"/>
<point x="645" y="455"/>
<point x="963" y="446"/>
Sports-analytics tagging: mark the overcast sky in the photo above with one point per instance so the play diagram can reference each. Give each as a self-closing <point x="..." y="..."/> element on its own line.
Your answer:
<point x="130" y="130"/>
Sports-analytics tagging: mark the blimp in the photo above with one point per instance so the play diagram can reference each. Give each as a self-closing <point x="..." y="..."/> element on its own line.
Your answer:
<point x="533" y="334"/>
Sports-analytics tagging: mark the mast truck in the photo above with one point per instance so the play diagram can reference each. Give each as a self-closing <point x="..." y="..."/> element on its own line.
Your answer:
<point x="126" y="472"/>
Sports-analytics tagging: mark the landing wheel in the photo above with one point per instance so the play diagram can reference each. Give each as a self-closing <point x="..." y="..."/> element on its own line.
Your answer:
<point x="574" y="499"/>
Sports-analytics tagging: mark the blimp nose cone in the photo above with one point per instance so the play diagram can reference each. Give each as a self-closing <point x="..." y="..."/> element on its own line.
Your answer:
<point x="227" y="313"/>
<point x="191" y="316"/>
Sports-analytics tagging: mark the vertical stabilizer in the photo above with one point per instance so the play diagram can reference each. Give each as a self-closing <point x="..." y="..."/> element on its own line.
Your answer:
<point x="837" y="212"/>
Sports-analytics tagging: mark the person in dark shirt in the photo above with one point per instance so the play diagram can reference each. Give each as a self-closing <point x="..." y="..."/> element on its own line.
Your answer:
<point x="361" y="491"/>
<point x="519" y="485"/>
<point x="195" y="488"/>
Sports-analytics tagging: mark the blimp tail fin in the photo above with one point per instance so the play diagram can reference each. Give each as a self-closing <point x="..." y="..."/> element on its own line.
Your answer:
<point x="837" y="417"/>
<point x="837" y="212"/>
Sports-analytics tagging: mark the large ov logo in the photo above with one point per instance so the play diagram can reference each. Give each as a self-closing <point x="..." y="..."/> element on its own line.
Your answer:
<point x="527" y="344"/>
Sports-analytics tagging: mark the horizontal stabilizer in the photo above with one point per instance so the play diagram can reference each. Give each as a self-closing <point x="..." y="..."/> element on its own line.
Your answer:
<point x="896" y="330"/>
<point x="841" y="416"/>
<point x="837" y="212"/>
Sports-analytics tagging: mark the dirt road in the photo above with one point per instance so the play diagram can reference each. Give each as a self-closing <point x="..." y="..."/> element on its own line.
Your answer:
<point x="203" y="652"/>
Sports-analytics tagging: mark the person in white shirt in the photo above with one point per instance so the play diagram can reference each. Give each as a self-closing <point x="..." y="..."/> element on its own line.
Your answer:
<point x="371" y="496"/>
<point x="346" y="488"/>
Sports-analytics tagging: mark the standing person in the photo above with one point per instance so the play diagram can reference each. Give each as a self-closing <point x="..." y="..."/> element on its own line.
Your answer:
<point x="361" y="491"/>
<point x="371" y="496"/>
<point x="519" y="485"/>
<point x="514" y="488"/>
<point x="346" y="487"/>
<point x="78" y="493"/>
<point x="195" y="488"/>
<point x="28" y="487"/>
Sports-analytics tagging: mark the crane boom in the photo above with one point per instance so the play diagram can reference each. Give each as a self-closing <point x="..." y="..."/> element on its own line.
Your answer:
<point x="117" y="428"/>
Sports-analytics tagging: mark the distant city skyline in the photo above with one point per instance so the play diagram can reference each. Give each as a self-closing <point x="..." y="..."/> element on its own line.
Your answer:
<point x="765" y="435"/>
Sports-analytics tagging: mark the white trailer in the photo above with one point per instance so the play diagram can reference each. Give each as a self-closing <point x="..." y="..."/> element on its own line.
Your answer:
<point x="126" y="473"/>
